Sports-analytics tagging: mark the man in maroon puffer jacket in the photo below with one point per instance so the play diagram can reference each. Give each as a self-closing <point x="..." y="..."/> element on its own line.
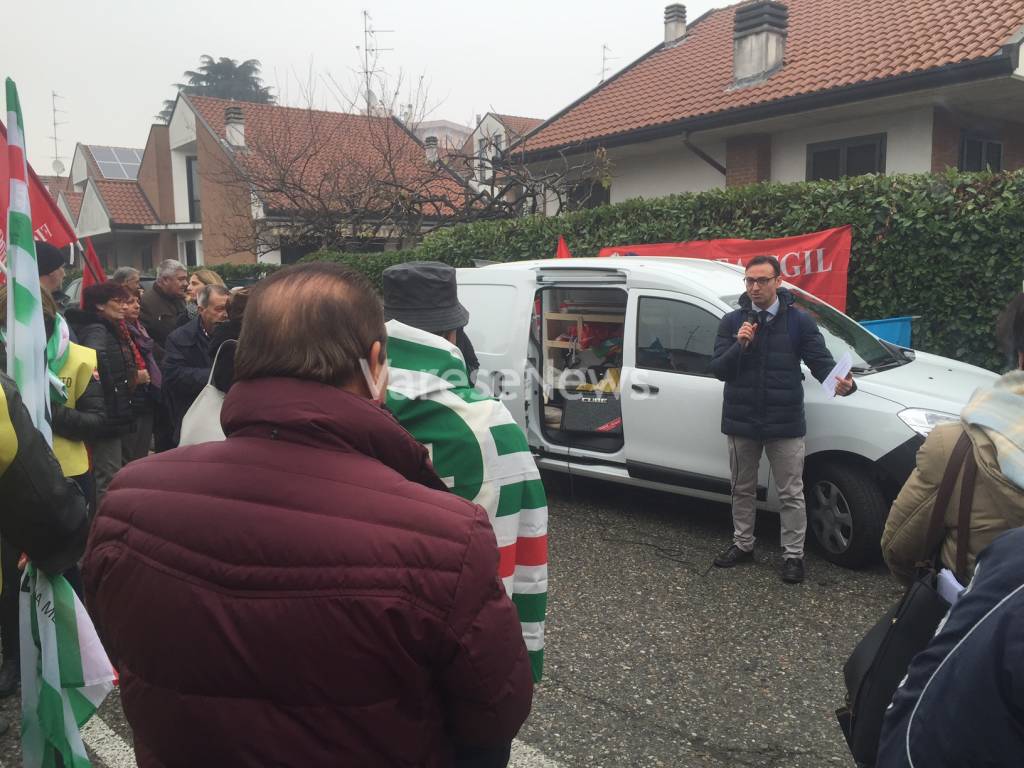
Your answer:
<point x="305" y="593"/>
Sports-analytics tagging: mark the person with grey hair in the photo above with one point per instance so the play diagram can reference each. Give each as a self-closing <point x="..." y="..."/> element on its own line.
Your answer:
<point x="187" y="359"/>
<point x="129" y="278"/>
<point x="162" y="303"/>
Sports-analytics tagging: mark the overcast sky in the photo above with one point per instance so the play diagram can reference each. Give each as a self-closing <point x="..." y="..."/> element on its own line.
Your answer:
<point x="114" y="61"/>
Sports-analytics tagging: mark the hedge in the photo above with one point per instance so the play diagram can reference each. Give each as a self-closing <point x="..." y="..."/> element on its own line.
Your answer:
<point x="947" y="247"/>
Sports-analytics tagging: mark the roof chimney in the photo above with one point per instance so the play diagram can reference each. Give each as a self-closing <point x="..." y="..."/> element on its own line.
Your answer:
<point x="234" y="126"/>
<point x="675" y="22"/>
<point x="759" y="40"/>
<point x="431" y="144"/>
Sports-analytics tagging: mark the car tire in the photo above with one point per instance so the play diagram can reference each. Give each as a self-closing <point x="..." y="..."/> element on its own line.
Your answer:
<point x="846" y="510"/>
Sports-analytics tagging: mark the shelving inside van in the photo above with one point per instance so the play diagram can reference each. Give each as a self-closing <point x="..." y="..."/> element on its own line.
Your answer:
<point x="581" y="335"/>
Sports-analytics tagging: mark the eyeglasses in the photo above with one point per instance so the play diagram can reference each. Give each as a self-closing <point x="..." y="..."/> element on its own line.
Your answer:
<point x="758" y="281"/>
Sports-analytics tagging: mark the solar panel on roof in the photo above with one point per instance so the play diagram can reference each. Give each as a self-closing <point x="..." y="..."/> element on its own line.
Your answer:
<point x="117" y="162"/>
<point x="105" y="154"/>
<point x="112" y="170"/>
<point x="126" y="155"/>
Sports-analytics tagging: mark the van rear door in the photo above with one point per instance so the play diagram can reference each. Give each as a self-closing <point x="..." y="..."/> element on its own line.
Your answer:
<point x="500" y="304"/>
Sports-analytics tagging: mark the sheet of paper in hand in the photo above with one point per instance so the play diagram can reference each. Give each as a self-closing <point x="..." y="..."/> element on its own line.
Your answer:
<point x="841" y="371"/>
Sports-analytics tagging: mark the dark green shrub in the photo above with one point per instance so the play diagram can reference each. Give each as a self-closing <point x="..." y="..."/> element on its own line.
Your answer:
<point x="948" y="247"/>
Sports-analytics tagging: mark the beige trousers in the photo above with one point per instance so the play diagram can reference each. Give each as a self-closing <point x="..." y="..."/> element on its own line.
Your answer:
<point x="786" y="457"/>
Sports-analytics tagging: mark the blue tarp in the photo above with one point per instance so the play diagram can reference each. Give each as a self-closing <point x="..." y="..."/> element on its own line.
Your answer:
<point x="892" y="329"/>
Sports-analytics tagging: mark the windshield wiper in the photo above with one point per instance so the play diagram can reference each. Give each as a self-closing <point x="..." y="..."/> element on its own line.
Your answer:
<point x="889" y="364"/>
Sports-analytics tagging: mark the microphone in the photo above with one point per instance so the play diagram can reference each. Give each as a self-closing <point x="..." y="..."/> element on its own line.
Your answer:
<point x="751" y="318"/>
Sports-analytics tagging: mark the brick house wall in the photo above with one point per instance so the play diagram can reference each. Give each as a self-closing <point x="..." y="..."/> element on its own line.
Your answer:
<point x="157" y="185"/>
<point x="947" y="130"/>
<point x="226" y="208"/>
<point x="748" y="160"/>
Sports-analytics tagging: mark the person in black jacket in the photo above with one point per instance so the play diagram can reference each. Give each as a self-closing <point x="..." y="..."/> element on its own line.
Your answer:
<point x="757" y="354"/>
<point x="228" y="331"/>
<point x="51" y="263"/>
<point x="85" y="422"/>
<point x="187" y="357"/>
<point x="1010" y="332"/>
<point x="42" y="514"/>
<point x="962" y="701"/>
<point x="98" y="326"/>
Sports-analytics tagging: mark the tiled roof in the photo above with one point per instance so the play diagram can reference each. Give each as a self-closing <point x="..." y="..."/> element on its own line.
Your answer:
<point x="55" y="184"/>
<point x="125" y="202"/>
<point x="520" y="126"/>
<point x="348" y="154"/>
<point x="830" y="44"/>
<point x="74" y="203"/>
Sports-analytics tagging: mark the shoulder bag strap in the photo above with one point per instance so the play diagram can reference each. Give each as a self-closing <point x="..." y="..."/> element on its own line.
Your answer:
<point x="963" y="526"/>
<point x="935" y="527"/>
<point x="216" y="356"/>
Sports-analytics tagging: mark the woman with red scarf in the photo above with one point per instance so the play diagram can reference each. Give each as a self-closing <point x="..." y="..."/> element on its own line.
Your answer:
<point x="147" y="391"/>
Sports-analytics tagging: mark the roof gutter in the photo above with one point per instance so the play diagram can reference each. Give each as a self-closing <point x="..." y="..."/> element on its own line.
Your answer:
<point x="1000" y="65"/>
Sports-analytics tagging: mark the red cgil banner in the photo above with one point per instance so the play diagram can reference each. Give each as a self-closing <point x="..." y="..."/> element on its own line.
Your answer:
<point x="818" y="263"/>
<point x="48" y="223"/>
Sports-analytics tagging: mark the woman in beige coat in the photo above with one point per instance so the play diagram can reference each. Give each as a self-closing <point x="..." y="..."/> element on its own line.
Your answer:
<point x="994" y="421"/>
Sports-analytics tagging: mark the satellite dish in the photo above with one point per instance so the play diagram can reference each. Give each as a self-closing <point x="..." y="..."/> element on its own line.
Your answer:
<point x="58" y="167"/>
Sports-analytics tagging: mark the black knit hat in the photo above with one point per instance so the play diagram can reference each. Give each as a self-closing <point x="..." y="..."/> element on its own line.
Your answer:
<point x="48" y="258"/>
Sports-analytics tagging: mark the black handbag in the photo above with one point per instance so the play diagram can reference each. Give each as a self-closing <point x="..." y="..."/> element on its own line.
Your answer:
<point x="881" y="659"/>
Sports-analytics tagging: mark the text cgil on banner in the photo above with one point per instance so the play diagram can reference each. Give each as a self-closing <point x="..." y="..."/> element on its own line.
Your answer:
<point x="818" y="262"/>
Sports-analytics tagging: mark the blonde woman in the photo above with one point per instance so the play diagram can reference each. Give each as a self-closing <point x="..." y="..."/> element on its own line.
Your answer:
<point x="196" y="281"/>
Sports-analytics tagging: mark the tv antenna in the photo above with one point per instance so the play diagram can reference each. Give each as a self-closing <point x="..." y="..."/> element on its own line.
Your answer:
<point x="58" y="164"/>
<point x="605" y="58"/>
<point x="371" y="50"/>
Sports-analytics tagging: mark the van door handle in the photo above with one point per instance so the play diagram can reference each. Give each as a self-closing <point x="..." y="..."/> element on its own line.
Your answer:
<point x="649" y="390"/>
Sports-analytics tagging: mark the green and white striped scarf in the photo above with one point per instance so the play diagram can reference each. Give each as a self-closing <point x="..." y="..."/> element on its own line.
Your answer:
<point x="482" y="455"/>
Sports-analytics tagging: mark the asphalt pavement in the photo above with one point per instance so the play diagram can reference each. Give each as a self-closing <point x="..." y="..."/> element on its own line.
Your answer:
<point x="654" y="658"/>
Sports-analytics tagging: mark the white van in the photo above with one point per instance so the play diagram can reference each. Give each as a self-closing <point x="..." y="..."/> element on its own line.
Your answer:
<point x="604" y="363"/>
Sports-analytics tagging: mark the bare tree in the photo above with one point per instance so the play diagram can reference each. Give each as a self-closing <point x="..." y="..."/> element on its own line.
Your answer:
<point x="353" y="180"/>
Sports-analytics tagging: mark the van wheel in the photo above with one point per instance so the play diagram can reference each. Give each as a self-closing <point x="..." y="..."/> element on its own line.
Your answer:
<point x="846" y="510"/>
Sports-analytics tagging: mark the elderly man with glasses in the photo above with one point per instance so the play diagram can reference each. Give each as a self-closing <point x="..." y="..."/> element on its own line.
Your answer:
<point x="757" y="354"/>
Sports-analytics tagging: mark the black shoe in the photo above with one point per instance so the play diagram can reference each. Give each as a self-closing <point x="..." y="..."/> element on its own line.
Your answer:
<point x="10" y="677"/>
<point x="793" y="570"/>
<point x="734" y="556"/>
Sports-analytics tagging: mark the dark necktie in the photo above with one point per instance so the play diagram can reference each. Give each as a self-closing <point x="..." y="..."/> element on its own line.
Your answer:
<point x="762" y="318"/>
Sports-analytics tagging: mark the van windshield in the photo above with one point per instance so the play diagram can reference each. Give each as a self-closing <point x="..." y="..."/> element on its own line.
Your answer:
<point x="841" y="333"/>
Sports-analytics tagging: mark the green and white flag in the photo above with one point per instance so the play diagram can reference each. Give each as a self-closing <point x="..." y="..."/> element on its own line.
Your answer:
<point x="26" y="334"/>
<point x="483" y="456"/>
<point x="65" y="673"/>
